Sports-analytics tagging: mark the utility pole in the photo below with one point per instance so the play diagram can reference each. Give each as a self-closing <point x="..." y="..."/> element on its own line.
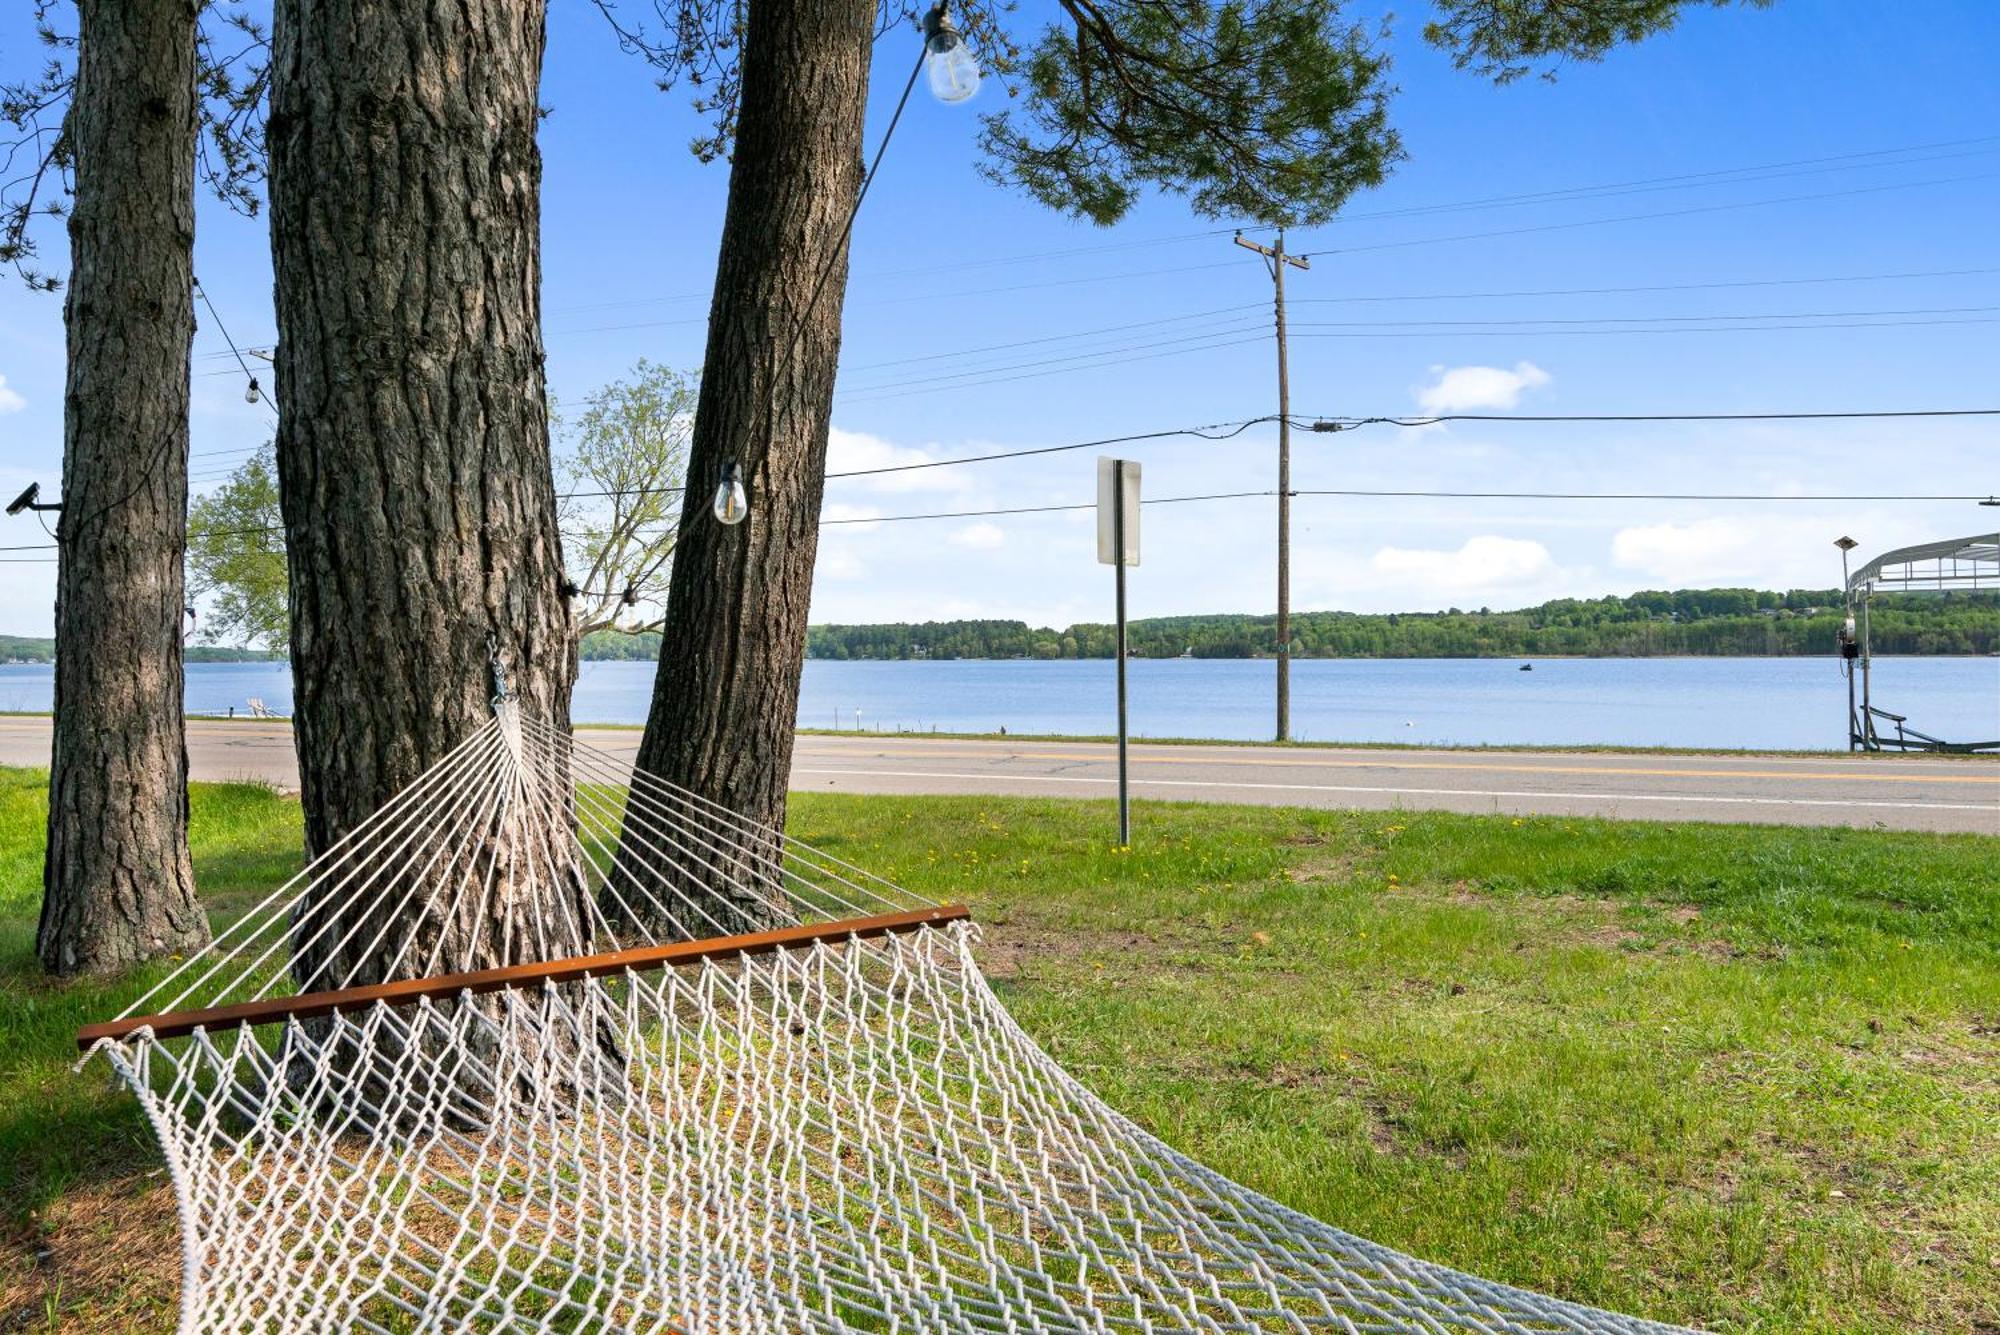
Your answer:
<point x="1275" y="259"/>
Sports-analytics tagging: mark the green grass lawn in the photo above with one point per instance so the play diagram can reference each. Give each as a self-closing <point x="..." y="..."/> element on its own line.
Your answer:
<point x="1739" y="1077"/>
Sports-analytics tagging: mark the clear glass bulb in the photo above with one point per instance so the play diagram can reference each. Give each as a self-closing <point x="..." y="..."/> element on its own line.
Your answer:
<point x="252" y="394"/>
<point x="953" y="70"/>
<point x="732" y="503"/>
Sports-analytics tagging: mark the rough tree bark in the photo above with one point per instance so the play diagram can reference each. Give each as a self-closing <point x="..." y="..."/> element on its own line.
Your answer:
<point x="726" y="699"/>
<point x="117" y="884"/>
<point x="413" y="450"/>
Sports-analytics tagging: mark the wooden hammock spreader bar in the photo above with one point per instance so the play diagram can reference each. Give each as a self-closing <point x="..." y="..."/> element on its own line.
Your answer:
<point x="513" y="977"/>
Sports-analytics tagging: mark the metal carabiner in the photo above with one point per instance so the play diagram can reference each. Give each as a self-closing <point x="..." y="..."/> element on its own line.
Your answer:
<point x="498" y="669"/>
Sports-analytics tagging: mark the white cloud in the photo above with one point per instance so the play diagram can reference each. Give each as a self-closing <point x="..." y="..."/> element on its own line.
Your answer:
<point x="1484" y="563"/>
<point x="857" y="451"/>
<point x="851" y="518"/>
<point x="1462" y="388"/>
<point x="1683" y="555"/>
<point x="980" y="537"/>
<point x="838" y="561"/>
<point x="10" y="400"/>
<point x="1788" y="551"/>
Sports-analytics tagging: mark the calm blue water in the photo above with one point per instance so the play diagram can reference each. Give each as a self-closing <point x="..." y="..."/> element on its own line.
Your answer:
<point x="1727" y="702"/>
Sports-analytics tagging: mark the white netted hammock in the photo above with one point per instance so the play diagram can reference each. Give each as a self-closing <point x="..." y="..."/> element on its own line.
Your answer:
<point x="830" y="1125"/>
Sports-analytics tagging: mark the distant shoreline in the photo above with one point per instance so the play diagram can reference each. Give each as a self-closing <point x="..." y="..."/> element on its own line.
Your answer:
<point x="1492" y="748"/>
<point x="1217" y="658"/>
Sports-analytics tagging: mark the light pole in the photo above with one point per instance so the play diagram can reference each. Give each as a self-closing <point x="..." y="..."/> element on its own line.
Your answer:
<point x="1849" y="648"/>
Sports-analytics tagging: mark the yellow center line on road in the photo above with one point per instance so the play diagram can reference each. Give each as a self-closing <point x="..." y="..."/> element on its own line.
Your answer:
<point x="1143" y="758"/>
<point x="1100" y="753"/>
<point x="1537" y="794"/>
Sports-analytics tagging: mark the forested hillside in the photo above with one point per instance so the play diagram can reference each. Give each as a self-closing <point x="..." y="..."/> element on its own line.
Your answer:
<point x="1730" y="622"/>
<point x="30" y="649"/>
<point x="1718" y="622"/>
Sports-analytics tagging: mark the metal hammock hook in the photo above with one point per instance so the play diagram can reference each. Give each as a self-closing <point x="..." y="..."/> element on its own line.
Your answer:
<point x="498" y="669"/>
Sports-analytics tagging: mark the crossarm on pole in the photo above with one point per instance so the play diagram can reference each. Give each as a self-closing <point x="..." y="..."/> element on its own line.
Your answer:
<point x="513" y="977"/>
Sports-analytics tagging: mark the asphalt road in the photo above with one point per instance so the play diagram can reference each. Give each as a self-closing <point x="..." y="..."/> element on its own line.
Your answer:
<point x="1895" y="792"/>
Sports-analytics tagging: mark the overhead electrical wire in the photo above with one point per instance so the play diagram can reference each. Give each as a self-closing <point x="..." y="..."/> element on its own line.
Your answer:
<point x="1856" y="161"/>
<point x="1889" y="157"/>
<point x="1329" y="252"/>
<point x="1327" y="424"/>
<point x="1222" y="336"/>
<point x="1658" y="329"/>
<point x="1652" y="319"/>
<point x="875" y="395"/>
<point x="1348" y="423"/>
<point x="1647" y="287"/>
<point x="957" y="353"/>
<point x="1379" y="297"/>
<point x="1354" y="492"/>
<point x="1208" y="338"/>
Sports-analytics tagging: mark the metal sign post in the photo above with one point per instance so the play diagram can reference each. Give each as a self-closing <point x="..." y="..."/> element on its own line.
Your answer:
<point x="1118" y="547"/>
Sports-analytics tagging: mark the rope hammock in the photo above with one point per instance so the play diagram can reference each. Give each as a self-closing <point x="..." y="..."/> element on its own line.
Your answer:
<point x="551" y="1044"/>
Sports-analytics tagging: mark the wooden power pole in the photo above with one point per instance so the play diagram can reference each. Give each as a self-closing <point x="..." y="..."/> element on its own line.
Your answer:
<point x="1276" y="259"/>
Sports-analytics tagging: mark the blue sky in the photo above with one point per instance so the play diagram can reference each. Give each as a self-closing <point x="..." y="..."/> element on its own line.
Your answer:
<point x="1875" y="129"/>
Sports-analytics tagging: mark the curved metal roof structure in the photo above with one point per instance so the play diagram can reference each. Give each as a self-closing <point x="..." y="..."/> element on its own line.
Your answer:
<point x="1931" y="567"/>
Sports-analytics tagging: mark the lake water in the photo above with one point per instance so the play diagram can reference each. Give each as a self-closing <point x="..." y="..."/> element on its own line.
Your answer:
<point x="1791" y="703"/>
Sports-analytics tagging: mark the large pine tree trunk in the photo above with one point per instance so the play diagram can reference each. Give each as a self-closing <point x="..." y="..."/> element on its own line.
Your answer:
<point x="413" y="453"/>
<point x="117" y="884"/>
<point x="726" y="699"/>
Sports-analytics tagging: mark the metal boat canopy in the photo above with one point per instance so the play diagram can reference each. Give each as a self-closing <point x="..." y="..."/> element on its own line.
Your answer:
<point x="1931" y="567"/>
<point x="1956" y="565"/>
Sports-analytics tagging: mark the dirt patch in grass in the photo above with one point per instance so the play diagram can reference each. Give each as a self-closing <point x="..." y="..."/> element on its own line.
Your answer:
<point x="102" y="1258"/>
<point x="1008" y="948"/>
<point x="1005" y="950"/>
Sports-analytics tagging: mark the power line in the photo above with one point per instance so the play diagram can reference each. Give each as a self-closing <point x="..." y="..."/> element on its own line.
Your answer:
<point x="1221" y="431"/>
<point x="1652" y="287"/>
<point x="1056" y="338"/>
<point x="1227" y="430"/>
<point x="1213" y="338"/>
<point x="874" y="395"/>
<point x="1618" y="495"/>
<point x="1349" y="423"/>
<point x="1137" y="243"/>
<point x="1654" y="319"/>
<point x="1693" y="180"/>
<point x="1643" y="217"/>
<point x="1363" y="298"/>
<point x="1356" y="492"/>
<point x="1479" y="332"/>
<point x="1067" y="360"/>
<point x="1042" y="509"/>
<point x="1890" y="157"/>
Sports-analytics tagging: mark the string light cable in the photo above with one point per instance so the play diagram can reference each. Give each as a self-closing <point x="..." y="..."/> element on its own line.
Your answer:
<point x="1222" y="431"/>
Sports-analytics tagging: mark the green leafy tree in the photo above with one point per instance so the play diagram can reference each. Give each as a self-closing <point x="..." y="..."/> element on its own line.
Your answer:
<point x="1507" y="39"/>
<point x="624" y="461"/>
<point x="621" y="474"/>
<point x="236" y="558"/>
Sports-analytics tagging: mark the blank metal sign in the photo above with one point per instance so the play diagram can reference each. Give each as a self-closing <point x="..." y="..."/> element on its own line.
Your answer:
<point x="1117" y="489"/>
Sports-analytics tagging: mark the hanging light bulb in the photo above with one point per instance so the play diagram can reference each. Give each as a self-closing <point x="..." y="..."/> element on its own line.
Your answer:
<point x="252" y="394"/>
<point x="954" y="72"/>
<point x="732" y="503"/>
